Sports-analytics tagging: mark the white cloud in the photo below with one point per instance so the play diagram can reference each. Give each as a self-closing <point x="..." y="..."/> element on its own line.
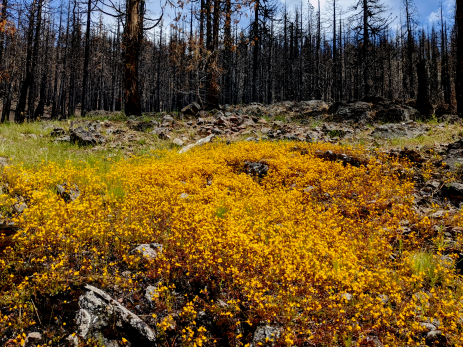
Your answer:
<point x="433" y="17"/>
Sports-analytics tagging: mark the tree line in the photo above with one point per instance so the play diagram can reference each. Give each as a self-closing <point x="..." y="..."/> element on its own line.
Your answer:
<point x="67" y="58"/>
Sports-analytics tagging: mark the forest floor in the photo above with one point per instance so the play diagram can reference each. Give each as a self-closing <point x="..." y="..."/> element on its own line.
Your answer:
<point x="231" y="228"/>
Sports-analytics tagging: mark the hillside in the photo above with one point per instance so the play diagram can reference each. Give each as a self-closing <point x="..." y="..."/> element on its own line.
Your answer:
<point x="294" y="224"/>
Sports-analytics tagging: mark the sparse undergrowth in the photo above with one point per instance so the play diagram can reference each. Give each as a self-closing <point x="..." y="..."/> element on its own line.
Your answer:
<point x="313" y="248"/>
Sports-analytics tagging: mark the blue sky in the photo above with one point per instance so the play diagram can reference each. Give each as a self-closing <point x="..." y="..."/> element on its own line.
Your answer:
<point x="428" y="10"/>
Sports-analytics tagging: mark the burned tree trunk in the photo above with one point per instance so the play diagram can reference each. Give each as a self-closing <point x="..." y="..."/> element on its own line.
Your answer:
<point x="133" y="35"/>
<point x="459" y="81"/>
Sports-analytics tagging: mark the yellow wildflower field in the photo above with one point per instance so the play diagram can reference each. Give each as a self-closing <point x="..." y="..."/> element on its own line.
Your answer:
<point x="312" y="247"/>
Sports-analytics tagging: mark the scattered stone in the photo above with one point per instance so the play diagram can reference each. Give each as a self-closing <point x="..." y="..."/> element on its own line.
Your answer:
<point x="184" y="196"/>
<point x="68" y="192"/>
<point x="149" y="251"/>
<point x="101" y="317"/>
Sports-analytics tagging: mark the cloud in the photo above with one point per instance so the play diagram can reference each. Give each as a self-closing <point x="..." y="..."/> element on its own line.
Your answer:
<point x="433" y="17"/>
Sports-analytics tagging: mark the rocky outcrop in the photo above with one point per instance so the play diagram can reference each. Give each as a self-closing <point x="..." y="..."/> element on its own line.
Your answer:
<point x="84" y="137"/>
<point x="404" y="130"/>
<point x="356" y="112"/>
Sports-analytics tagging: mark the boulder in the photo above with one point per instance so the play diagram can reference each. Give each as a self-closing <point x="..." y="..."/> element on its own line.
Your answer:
<point x="86" y="137"/>
<point x="103" y="318"/>
<point x="394" y="131"/>
<point x="356" y="112"/>
<point x="191" y="109"/>
<point x="396" y="114"/>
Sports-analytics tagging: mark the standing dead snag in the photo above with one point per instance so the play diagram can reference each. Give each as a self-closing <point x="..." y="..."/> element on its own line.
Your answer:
<point x="459" y="81"/>
<point x="131" y="44"/>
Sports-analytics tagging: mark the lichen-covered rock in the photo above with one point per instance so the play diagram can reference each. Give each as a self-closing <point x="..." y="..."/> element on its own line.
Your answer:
<point x="103" y="318"/>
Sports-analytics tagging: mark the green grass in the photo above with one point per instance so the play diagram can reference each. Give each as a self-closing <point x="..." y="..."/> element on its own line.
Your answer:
<point x="424" y="264"/>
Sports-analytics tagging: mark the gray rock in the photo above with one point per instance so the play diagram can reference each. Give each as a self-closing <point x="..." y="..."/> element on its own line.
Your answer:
<point x="357" y="112"/>
<point x="384" y="299"/>
<point x="435" y="338"/>
<point x="452" y="191"/>
<point x="66" y="138"/>
<point x="184" y="196"/>
<point x="68" y="192"/>
<point x="178" y="142"/>
<point x="99" y="314"/>
<point x="141" y="126"/>
<point x="19" y="207"/>
<point x="428" y="326"/>
<point x="149" y="251"/>
<point x="394" y="131"/>
<point x="86" y="138"/>
<point x="259" y="169"/>
<point x="347" y="296"/>
<point x="32" y="339"/>
<point x="167" y="119"/>
<point x="198" y="143"/>
<point x="191" y="109"/>
<point x="262" y="333"/>
<point x="150" y="292"/>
